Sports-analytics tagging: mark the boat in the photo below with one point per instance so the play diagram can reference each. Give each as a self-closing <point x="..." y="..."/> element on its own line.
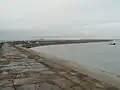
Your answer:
<point x="113" y="43"/>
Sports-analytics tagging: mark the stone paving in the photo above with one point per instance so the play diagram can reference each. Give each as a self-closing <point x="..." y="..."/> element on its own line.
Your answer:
<point x="19" y="71"/>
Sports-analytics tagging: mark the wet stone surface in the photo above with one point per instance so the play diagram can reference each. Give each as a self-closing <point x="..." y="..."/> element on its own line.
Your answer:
<point x="20" y="72"/>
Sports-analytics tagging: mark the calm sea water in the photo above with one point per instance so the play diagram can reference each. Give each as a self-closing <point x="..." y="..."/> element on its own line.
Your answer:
<point x="96" y="55"/>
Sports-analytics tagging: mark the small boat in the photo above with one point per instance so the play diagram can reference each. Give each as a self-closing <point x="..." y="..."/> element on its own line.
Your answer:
<point x="113" y="43"/>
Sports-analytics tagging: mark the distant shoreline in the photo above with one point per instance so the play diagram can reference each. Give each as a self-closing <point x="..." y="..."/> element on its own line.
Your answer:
<point x="42" y="42"/>
<point x="57" y="42"/>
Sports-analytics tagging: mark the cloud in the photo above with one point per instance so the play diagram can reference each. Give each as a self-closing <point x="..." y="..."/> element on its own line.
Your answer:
<point x="88" y="16"/>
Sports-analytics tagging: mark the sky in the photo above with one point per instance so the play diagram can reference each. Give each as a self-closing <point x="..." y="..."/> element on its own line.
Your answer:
<point x="95" y="18"/>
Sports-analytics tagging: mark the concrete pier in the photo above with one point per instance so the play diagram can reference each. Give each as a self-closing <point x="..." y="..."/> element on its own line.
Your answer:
<point x="34" y="43"/>
<point x="23" y="69"/>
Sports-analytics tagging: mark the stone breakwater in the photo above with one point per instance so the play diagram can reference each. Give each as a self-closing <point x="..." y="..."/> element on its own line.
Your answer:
<point x="34" y="43"/>
<point x="23" y="69"/>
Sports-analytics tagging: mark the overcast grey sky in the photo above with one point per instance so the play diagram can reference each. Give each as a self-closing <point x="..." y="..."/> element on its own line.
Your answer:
<point x="90" y="17"/>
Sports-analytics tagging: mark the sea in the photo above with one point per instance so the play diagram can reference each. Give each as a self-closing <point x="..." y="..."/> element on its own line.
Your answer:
<point x="95" y="55"/>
